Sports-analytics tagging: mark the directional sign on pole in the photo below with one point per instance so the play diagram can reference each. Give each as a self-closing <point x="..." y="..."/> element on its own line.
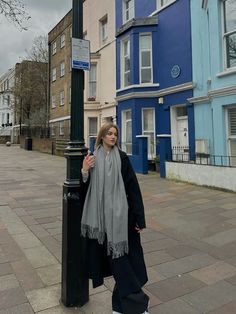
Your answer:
<point x="80" y="54"/>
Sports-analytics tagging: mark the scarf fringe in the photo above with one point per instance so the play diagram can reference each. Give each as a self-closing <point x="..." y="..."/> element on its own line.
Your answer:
<point x="92" y="233"/>
<point x="116" y="250"/>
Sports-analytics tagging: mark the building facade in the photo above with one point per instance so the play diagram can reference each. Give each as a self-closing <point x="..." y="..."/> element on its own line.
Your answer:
<point x="154" y="74"/>
<point x="6" y="102"/>
<point x="99" y="89"/>
<point x="214" y="75"/>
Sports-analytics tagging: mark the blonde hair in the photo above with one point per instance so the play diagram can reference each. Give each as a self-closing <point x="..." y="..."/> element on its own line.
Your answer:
<point x="103" y="132"/>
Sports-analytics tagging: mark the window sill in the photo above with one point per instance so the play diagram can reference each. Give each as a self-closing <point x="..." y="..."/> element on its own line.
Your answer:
<point x="226" y="72"/>
<point x="137" y="86"/>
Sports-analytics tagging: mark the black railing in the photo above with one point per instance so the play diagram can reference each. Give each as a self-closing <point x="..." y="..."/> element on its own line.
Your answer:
<point x="179" y="155"/>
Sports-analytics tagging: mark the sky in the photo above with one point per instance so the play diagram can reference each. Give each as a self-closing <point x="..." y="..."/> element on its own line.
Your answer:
<point x="45" y="14"/>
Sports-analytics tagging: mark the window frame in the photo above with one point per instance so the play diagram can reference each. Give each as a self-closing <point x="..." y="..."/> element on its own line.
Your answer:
<point x="92" y="97"/>
<point x="151" y="154"/>
<point x="61" y="127"/>
<point x="53" y="102"/>
<point x="122" y="62"/>
<point x="62" y="98"/>
<point x="54" y="74"/>
<point x="62" y="68"/>
<point x="225" y="34"/>
<point x="140" y="60"/>
<point x="130" y="11"/>
<point x="62" y="40"/>
<point x="161" y="6"/>
<point x="54" y="47"/>
<point x="124" y="122"/>
<point x="103" y="27"/>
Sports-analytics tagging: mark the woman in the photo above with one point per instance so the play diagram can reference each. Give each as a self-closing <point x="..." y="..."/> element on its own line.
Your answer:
<point x="113" y="216"/>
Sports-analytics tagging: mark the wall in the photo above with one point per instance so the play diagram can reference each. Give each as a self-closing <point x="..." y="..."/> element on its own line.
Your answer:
<point x="220" y="177"/>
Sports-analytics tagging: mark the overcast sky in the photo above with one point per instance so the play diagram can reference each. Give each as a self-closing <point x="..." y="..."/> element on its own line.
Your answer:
<point x="45" y="14"/>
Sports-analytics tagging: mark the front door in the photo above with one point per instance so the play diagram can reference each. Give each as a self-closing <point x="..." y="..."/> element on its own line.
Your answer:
<point x="148" y="128"/>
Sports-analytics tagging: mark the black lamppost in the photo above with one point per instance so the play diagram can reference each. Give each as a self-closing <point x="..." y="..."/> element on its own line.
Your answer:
<point x="74" y="290"/>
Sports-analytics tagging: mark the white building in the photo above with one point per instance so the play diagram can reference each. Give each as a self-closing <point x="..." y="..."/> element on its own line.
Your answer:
<point x="6" y="102"/>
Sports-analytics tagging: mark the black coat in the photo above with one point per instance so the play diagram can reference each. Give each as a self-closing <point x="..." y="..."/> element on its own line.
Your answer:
<point x="98" y="264"/>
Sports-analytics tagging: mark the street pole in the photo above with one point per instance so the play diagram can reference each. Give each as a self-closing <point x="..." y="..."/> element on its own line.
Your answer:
<point x="74" y="290"/>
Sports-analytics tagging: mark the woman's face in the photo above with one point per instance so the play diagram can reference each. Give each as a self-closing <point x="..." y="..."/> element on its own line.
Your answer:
<point x="110" y="138"/>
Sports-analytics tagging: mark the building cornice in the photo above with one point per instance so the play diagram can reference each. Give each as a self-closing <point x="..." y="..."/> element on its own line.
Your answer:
<point x="147" y="21"/>
<point x="59" y="119"/>
<point x="159" y="93"/>
<point x="220" y="92"/>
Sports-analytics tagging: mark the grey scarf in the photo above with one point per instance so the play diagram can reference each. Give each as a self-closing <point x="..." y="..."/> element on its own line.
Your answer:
<point x="105" y="212"/>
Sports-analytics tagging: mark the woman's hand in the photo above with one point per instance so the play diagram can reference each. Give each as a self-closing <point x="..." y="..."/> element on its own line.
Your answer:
<point x="88" y="162"/>
<point x="138" y="229"/>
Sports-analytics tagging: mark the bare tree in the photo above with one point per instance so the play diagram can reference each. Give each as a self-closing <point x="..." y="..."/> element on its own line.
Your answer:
<point x="30" y="88"/>
<point x="14" y="11"/>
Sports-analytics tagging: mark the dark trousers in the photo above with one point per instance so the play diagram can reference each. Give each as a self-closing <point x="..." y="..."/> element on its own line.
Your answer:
<point x="127" y="297"/>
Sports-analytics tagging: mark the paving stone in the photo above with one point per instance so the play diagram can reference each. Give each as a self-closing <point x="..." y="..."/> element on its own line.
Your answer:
<point x="26" y="275"/>
<point x="153" y="300"/>
<point x="99" y="303"/>
<point x="8" y="282"/>
<point x="229" y="308"/>
<point x="157" y="257"/>
<point x="174" y="287"/>
<point x="213" y="273"/>
<point x="61" y="310"/>
<point x="50" y="275"/>
<point x="184" y="265"/>
<point x="19" y="309"/>
<point x="5" y="236"/>
<point x="40" y="257"/>
<point x="211" y="297"/>
<point x="158" y="245"/>
<point x="5" y="269"/>
<point x="38" y="231"/>
<point x="151" y="236"/>
<point x="12" y="297"/>
<point x="179" y="251"/>
<point x="42" y="299"/>
<point x="222" y="238"/>
<point x="28" y="220"/>
<point x="27" y="240"/>
<point x="12" y="251"/>
<point x="176" y="306"/>
<point x="153" y="276"/>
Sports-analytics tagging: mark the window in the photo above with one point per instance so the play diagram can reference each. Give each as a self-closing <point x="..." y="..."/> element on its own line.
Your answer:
<point x="53" y="101"/>
<point x="148" y="128"/>
<point x="61" y="127"/>
<point x="70" y="31"/>
<point x="145" y="58"/>
<point x="62" y="68"/>
<point x="103" y="30"/>
<point x="229" y="36"/>
<point x="92" y="82"/>
<point x="232" y="134"/>
<point x="8" y="118"/>
<point x="54" y="47"/>
<point x="127" y="131"/>
<point x="62" y="98"/>
<point x="63" y="37"/>
<point x="54" y="74"/>
<point x="93" y="127"/>
<point x="125" y="63"/>
<point x="52" y="129"/>
<point x="163" y="3"/>
<point x="128" y="10"/>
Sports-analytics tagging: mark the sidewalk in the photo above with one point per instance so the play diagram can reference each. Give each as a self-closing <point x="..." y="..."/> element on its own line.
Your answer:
<point x="190" y="242"/>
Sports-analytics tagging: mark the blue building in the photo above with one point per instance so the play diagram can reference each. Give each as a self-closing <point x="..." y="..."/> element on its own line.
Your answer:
<point x="214" y="75"/>
<point x="154" y="74"/>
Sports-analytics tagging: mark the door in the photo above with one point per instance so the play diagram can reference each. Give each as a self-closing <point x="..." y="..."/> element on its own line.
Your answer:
<point x="148" y="128"/>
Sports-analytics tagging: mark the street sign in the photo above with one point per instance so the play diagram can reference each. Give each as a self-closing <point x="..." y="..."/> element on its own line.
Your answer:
<point x="80" y="54"/>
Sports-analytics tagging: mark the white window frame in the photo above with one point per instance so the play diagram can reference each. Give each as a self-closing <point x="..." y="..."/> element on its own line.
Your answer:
<point x="54" y="48"/>
<point x="62" y="68"/>
<point x="61" y="127"/>
<point x="140" y="59"/>
<point x="54" y="74"/>
<point x="162" y="5"/>
<point x="122" y="62"/>
<point x="128" y="13"/>
<point x="225" y="34"/>
<point x="229" y="136"/>
<point x="62" y="40"/>
<point x="151" y="154"/>
<point x="92" y="82"/>
<point x="62" y="98"/>
<point x="124" y="120"/>
<point x="53" y="129"/>
<point x="53" y="101"/>
<point x="103" y="26"/>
